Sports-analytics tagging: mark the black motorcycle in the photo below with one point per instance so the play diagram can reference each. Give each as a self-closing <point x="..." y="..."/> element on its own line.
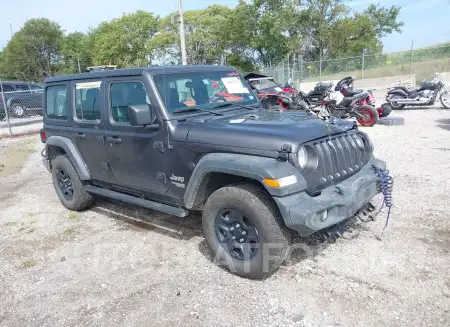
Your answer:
<point x="424" y="95"/>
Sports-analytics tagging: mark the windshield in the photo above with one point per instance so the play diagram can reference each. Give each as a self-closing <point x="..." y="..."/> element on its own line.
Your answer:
<point x="261" y="84"/>
<point x="203" y="90"/>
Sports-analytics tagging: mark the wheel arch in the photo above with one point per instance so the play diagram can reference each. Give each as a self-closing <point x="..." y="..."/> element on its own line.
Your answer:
<point x="217" y="170"/>
<point x="59" y="145"/>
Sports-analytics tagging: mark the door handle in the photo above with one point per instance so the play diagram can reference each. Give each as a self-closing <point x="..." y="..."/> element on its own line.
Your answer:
<point x="114" y="139"/>
<point x="80" y="135"/>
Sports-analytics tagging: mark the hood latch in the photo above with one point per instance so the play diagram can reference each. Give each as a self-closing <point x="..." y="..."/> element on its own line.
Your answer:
<point x="283" y="155"/>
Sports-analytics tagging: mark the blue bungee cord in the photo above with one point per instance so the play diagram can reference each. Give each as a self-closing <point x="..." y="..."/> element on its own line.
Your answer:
<point x="386" y="185"/>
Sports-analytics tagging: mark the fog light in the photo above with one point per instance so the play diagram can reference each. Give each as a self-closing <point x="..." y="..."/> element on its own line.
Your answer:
<point x="323" y="215"/>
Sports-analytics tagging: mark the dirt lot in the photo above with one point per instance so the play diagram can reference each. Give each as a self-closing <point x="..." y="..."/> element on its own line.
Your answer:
<point x="101" y="267"/>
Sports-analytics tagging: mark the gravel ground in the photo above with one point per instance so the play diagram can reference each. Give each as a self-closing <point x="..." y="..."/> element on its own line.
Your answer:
<point x="104" y="267"/>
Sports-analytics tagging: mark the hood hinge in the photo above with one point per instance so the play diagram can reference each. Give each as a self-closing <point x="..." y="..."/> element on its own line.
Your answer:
<point x="284" y="153"/>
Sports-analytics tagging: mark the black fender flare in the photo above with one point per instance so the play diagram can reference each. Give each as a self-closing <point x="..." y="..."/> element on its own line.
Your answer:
<point x="252" y="167"/>
<point x="72" y="153"/>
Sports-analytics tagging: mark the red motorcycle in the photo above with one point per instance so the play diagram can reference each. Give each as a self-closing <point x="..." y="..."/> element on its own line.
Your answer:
<point x="273" y="95"/>
<point x="358" y="104"/>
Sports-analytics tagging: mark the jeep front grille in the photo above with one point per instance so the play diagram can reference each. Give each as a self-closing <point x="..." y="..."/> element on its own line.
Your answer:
<point x="338" y="157"/>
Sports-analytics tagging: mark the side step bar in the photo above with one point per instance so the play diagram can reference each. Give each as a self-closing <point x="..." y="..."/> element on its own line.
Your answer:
<point x="174" y="211"/>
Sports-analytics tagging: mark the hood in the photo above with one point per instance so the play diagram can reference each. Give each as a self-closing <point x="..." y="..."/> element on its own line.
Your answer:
<point x="265" y="130"/>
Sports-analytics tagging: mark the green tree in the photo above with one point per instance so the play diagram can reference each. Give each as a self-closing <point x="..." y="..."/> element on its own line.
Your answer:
<point x="33" y="53"/>
<point x="123" y="41"/>
<point x="76" y="53"/>
<point x="206" y="36"/>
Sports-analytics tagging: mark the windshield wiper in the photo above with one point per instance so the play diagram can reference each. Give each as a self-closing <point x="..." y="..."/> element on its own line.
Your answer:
<point x="228" y="104"/>
<point x="197" y="109"/>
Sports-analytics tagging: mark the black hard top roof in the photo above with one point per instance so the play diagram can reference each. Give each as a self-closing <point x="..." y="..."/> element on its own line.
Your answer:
<point x="248" y="75"/>
<point x="138" y="71"/>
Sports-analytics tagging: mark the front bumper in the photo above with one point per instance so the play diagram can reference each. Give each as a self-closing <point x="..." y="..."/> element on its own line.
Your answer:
<point x="304" y="213"/>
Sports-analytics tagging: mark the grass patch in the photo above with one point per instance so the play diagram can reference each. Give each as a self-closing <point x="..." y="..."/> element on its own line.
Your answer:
<point x="14" y="156"/>
<point x="29" y="263"/>
<point x="11" y="223"/>
<point x="70" y="231"/>
<point x="72" y="215"/>
<point x="31" y="214"/>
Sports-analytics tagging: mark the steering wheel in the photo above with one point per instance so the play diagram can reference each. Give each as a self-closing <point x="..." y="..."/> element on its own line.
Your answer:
<point x="347" y="80"/>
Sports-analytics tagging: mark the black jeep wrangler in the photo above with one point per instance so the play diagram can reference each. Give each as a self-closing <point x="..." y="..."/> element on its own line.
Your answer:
<point x="194" y="138"/>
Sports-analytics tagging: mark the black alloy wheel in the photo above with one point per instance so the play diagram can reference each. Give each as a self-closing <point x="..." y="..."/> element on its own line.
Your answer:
<point x="236" y="234"/>
<point x="65" y="184"/>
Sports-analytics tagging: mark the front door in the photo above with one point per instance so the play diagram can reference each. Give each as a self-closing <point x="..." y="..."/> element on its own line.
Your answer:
<point x="90" y="116"/>
<point x="134" y="153"/>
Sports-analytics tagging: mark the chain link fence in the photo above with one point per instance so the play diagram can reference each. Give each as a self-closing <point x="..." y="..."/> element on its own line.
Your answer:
<point x="421" y="62"/>
<point x="21" y="107"/>
<point x="22" y="99"/>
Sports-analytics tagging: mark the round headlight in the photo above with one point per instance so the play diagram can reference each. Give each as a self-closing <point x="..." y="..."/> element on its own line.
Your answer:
<point x="302" y="157"/>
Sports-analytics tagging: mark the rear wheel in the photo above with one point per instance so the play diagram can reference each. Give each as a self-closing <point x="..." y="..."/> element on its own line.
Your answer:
<point x="68" y="185"/>
<point x="395" y="105"/>
<point x="445" y="100"/>
<point x="244" y="230"/>
<point x="369" y="116"/>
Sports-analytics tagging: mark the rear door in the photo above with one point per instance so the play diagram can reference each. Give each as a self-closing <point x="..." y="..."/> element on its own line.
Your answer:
<point x="135" y="154"/>
<point x="88" y="133"/>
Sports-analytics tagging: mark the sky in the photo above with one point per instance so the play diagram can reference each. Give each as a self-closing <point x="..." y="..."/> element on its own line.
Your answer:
<point x="426" y="21"/>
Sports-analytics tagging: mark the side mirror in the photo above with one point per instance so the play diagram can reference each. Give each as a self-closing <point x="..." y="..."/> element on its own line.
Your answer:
<point x="141" y="115"/>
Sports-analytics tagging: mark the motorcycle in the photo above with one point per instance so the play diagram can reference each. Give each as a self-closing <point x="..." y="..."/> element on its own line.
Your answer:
<point x="272" y="95"/>
<point x="315" y="97"/>
<point x="425" y="95"/>
<point x="355" y="105"/>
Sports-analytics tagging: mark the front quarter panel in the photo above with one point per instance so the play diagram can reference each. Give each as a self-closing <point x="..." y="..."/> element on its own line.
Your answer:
<point x="252" y="167"/>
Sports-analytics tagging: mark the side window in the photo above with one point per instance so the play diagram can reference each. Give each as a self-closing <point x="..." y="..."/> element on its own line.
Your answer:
<point x="22" y="87"/>
<point x="88" y="101"/>
<point x="124" y="94"/>
<point x="8" y="88"/>
<point x="56" y="102"/>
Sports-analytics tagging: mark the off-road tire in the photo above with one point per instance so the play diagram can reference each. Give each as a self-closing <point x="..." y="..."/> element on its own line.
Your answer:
<point x="261" y="211"/>
<point x="81" y="199"/>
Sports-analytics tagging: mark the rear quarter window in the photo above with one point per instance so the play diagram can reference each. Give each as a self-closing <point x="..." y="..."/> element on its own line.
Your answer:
<point x="56" y="102"/>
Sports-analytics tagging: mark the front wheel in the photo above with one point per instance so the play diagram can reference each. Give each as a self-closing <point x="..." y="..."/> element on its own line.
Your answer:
<point x="394" y="104"/>
<point x="18" y="110"/>
<point x="368" y="116"/>
<point x="445" y="99"/>
<point x="245" y="231"/>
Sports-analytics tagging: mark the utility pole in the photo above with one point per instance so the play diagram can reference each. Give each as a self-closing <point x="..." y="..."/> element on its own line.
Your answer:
<point x="364" y="51"/>
<point x="182" y="37"/>
<point x="410" y="56"/>
<point x="10" y="28"/>
<point x="79" y="66"/>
